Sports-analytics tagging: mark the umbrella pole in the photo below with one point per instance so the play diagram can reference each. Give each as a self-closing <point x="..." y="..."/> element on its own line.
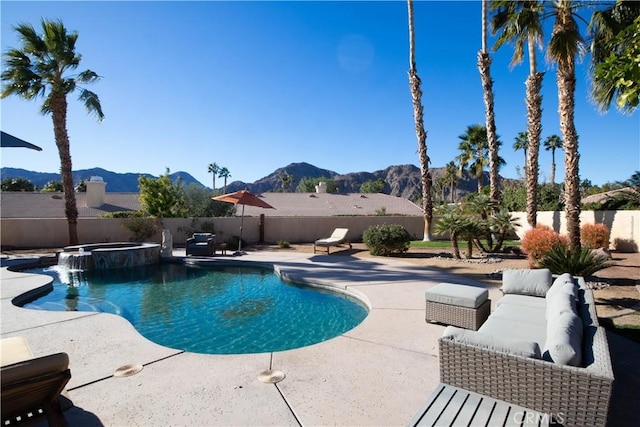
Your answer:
<point x="241" y="225"/>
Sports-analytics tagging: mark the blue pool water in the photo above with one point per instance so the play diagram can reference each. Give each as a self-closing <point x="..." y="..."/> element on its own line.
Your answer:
<point x="228" y="310"/>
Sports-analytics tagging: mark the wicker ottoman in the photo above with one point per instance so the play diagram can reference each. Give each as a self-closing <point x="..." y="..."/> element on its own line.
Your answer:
<point x="458" y="305"/>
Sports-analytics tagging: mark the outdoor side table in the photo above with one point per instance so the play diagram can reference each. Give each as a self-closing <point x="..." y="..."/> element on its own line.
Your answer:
<point x="458" y="305"/>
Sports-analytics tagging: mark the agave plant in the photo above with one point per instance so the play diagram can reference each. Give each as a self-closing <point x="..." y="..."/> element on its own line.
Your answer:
<point x="576" y="261"/>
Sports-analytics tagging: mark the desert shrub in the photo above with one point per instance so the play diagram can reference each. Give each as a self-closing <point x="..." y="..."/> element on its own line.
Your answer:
<point x="579" y="262"/>
<point x="198" y="226"/>
<point x="232" y="242"/>
<point x="122" y="214"/>
<point x="594" y="236"/>
<point x="283" y="244"/>
<point x="539" y="241"/>
<point x="141" y="228"/>
<point x="386" y="239"/>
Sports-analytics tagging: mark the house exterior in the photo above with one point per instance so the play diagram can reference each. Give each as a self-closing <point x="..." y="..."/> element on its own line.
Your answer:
<point x="96" y="201"/>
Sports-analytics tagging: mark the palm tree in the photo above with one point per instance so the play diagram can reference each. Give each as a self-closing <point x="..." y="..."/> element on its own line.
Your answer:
<point x="521" y="142"/>
<point x="223" y="172"/>
<point x="452" y="222"/>
<point x="214" y="169"/>
<point x="520" y="22"/>
<point x="552" y="143"/>
<point x="474" y="154"/>
<point x="451" y="178"/>
<point x="566" y="42"/>
<point x="484" y="65"/>
<point x="416" y="96"/>
<point x="613" y="48"/>
<point x="39" y="69"/>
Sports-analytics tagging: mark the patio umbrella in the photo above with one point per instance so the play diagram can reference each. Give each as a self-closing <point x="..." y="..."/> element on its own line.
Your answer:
<point x="11" y="141"/>
<point x="243" y="197"/>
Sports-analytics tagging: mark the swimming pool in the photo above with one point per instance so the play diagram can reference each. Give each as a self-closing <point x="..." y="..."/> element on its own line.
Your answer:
<point x="230" y="309"/>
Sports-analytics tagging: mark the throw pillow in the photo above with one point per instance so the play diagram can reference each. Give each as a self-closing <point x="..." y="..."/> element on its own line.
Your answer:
<point x="564" y="340"/>
<point x="558" y="283"/>
<point x="526" y="282"/>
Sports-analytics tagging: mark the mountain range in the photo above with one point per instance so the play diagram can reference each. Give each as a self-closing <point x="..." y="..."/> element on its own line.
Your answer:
<point x="402" y="181"/>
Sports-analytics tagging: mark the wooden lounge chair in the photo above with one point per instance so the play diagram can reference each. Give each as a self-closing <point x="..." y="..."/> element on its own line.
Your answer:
<point x="337" y="238"/>
<point x="31" y="386"/>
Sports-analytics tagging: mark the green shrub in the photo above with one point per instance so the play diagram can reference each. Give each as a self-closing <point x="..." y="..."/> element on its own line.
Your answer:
<point x="283" y="244"/>
<point x="594" y="236"/>
<point x="142" y="228"/>
<point x="386" y="239"/>
<point x="578" y="262"/>
<point x="539" y="241"/>
<point x="122" y="214"/>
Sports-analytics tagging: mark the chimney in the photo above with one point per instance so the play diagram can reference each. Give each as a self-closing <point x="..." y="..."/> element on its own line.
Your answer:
<point x="95" y="192"/>
<point x="321" y="187"/>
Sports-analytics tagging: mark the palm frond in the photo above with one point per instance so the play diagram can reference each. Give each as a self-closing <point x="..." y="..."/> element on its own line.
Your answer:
<point x="91" y="103"/>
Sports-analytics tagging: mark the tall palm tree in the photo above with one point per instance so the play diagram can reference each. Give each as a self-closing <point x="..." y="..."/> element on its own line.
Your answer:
<point x="223" y="172"/>
<point x="553" y="142"/>
<point x="521" y="142"/>
<point x="214" y="169"/>
<point x="484" y="66"/>
<point x="565" y="44"/>
<point x="451" y="179"/>
<point x="520" y="23"/>
<point x="421" y="134"/>
<point x="39" y="68"/>
<point x="474" y="153"/>
<point x="614" y="45"/>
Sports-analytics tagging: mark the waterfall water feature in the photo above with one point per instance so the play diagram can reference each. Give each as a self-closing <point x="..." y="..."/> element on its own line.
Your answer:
<point x="102" y="256"/>
<point x="75" y="261"/>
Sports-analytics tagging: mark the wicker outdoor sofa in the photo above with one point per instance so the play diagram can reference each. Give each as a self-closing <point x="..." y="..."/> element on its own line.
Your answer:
<point x="575" y="389"/>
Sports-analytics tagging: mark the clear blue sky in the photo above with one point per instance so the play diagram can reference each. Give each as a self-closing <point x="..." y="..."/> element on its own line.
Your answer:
<point x="254" y="86"/>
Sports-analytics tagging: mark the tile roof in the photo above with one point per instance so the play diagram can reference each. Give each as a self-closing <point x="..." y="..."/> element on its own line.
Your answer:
<point x="51" y="205"/>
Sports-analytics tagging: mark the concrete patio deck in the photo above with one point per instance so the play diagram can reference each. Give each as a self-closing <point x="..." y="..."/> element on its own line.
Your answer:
<point x="379" y="373"/>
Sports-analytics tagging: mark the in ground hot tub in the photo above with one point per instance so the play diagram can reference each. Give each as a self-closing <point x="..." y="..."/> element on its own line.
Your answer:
<point x="102" y="256"/>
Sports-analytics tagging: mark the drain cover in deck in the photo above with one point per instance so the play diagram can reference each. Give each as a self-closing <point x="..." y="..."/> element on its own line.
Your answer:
<point x="271" y="376"/>
<point x="127" y="370"/>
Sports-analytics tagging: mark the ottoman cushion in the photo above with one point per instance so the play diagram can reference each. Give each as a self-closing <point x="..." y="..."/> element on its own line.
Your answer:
<point x="459" y="295"/>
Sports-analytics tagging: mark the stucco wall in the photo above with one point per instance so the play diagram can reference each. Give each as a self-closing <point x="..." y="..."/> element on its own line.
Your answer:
<point x="51" y="233"/>
<point x="624" y="225"/>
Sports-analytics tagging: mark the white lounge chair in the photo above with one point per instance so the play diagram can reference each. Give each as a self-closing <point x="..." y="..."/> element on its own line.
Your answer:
<point x="337" y="238"/>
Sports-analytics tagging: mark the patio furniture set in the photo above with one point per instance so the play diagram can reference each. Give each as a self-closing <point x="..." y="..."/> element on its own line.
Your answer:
<point x="540" y="356"/>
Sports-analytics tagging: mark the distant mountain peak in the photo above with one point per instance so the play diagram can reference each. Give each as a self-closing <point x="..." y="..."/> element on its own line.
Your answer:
<point x="401" y="180"/>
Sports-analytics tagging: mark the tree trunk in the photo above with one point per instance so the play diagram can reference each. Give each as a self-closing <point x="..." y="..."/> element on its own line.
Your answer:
<point x="566" y="99"/>
<point x="453" y="189"/>
<point x="484" y="65"/>
<point x="534" y="129"/>
<point x="454" y="246"/>
<point x="416" y="96"/>
<point x="552" y="175"/>
<point x="59" y="116"/>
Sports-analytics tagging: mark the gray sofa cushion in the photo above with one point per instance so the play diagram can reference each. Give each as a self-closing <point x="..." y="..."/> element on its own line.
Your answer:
<point x="564" y="340"/>
<point x="560" y="283"/>
<point x="526" y="282"/>
<point x="515" y="329"/>
<point x="522" y="300"/>
<point x="559" y="303"/>
<point x="493" y="342"/>
<point x="520" y="313"/>
<point x="458" y="295"/>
